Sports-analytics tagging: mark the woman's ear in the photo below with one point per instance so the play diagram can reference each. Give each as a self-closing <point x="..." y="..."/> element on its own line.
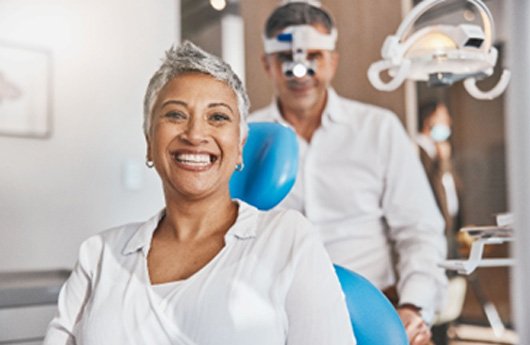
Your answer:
<point x="148" y="149"/>
<point x="241" y="146"/>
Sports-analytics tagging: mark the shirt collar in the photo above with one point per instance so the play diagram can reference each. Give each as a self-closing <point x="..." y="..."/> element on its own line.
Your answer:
<point x="244" y="228"/>
<point x="332" y="111"/>
<point x="274" y="112"/>
<point x="141" y="239"/>
<point x="246" y="223"/>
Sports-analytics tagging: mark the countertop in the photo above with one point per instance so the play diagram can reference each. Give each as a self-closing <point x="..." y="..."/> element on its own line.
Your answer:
<point x="26" y="288"/>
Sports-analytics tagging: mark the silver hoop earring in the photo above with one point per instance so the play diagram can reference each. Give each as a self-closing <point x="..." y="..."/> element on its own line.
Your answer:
<point x="240" y="166"/>
<point x="149" y="164"/>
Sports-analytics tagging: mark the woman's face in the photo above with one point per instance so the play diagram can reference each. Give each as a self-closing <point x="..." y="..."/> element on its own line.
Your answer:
<point x="194" y="140"/>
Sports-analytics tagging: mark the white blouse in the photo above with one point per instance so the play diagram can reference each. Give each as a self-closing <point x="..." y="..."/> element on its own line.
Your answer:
<point x="163" y="290"/>
<point x="271" y="284"/>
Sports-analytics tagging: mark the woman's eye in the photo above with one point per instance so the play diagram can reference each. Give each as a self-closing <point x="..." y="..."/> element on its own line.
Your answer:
<point x="219" y="117"/>
<point x="175" y="115"/>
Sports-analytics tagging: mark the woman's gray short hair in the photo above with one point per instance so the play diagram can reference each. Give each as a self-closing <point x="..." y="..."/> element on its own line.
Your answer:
<point x="187" y="57"/>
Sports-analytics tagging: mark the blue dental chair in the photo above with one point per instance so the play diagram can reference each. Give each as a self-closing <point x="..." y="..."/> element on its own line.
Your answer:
<point x="271" y="162"/>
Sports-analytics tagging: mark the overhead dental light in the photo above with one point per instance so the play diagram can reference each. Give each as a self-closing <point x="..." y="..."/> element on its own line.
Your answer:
<point x="440" y="54"/>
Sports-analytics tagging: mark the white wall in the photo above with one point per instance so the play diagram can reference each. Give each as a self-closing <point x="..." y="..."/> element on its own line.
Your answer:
<point x="56" y="192"/>
<point x="518" y="130"/>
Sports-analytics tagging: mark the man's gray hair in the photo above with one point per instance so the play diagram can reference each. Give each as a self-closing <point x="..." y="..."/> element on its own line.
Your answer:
<point x="297" y="13"/>
<point x="187" y="57"/>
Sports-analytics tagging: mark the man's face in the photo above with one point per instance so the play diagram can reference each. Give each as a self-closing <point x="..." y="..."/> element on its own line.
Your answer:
<point x="301" y="94"/>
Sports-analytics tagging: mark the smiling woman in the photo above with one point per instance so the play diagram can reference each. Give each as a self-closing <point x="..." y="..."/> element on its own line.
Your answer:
<point x="206" y="269"/>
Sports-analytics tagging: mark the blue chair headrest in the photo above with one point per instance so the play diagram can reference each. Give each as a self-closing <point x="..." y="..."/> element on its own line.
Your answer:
<point x="271" y="162"/>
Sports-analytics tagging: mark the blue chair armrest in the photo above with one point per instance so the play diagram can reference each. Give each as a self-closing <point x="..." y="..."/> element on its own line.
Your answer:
<point x="374" y="319"/>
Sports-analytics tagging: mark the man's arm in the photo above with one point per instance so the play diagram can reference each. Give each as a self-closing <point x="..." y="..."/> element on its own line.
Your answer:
<point x="415" y="225"/>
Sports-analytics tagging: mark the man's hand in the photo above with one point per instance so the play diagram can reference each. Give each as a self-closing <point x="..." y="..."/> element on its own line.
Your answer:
<point x="417" y="330"/>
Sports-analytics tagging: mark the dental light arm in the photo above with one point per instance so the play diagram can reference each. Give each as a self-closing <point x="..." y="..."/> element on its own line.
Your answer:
<point x="298" y="39"/>
<point x="440" y="54"/>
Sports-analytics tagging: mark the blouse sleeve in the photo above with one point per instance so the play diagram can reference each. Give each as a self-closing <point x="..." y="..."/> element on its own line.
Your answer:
<point x="316" y="307"/>
<point x="72" y="298"/>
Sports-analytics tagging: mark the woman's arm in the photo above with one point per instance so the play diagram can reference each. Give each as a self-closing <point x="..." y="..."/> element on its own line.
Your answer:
<point x="73" y="297"/>
<point x="316" y="308"/>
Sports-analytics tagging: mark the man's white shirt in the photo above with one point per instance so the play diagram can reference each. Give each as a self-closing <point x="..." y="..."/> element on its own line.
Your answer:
<point x="360" y="182"/>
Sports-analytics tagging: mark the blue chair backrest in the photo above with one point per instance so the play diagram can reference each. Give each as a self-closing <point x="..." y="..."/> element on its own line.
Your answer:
<point x="271" y="163"/>
<point x="270" y="156"/>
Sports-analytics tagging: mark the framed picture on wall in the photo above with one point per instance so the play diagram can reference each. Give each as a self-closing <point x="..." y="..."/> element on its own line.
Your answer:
<point x="25" y="102"/>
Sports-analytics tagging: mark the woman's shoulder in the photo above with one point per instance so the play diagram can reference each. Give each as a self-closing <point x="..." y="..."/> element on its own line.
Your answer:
<point x="113" y="239"/>
<point x="284" y="237"/>
<point x="287" y="216"/>
<point x="275" y="215"/>
<point x="281" y="223"/>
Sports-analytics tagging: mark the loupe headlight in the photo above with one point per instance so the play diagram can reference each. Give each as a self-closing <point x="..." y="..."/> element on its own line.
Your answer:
<point x="298" y="39"/>
<point x="299" y="66"/>
<point x="298" y="69"/>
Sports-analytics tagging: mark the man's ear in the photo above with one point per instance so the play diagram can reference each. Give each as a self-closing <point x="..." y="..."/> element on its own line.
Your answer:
<point x="335" y="60"/>
<point x="266" y="63"/>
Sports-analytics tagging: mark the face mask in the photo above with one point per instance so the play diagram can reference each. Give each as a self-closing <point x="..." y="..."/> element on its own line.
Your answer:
<point x="440" y="133"/>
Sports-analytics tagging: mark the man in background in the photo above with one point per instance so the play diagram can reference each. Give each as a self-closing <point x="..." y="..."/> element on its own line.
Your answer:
<point x="360" y="181"/>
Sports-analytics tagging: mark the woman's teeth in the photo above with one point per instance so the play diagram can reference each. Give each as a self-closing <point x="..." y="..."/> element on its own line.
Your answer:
<point x="194" y="159"/>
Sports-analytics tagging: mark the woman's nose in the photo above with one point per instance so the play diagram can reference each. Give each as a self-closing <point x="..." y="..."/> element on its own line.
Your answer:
<point x="195" y="132"/>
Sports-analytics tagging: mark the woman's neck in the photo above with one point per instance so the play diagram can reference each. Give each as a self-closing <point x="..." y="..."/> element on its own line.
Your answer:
<point x="189" y="220"/>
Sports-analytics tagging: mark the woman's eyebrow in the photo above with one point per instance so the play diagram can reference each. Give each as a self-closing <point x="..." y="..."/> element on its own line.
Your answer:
<point x="211" y="105"/>
<point x="220" y="104"/>
<point x="173" y="101"/>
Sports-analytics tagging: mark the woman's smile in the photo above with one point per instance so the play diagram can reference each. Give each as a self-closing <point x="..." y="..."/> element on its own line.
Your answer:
<point x="195" y="161"/>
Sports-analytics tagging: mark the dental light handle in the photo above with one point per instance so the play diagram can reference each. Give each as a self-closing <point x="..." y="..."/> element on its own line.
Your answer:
<point x="470" y="85"/>
<point x="374" y="74"/>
